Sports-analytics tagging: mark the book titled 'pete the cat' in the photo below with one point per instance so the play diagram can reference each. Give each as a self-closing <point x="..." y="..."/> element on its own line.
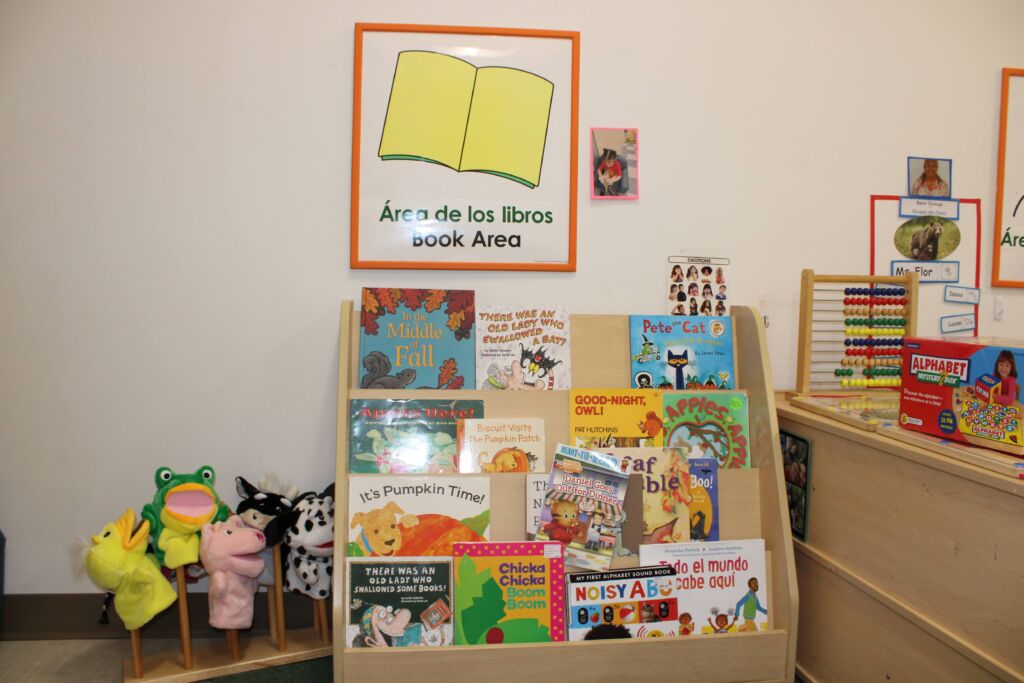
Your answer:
<point x="673" y="352"/>
<point x="417" y="339"/>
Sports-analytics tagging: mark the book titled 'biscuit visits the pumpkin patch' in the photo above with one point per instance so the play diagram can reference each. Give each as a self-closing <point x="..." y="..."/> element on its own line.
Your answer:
<point x="508" y="592"/>
<point x="410" y="516"/>
<point x="417" y="339"/>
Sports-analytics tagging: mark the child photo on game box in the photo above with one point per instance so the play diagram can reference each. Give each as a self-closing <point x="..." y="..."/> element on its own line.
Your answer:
<point x="964" y="390"/>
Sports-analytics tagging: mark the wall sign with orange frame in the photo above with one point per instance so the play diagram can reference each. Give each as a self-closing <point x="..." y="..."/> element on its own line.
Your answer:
<point x="464" y="148"/>
<point x="1008" y="249"/>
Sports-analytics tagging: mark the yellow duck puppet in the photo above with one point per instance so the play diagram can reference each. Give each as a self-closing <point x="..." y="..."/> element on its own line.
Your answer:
<point x="118" y="562"/>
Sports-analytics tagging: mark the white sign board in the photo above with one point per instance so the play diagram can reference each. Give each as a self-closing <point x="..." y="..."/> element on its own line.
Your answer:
<point x="464" y="149"/>
<point x="952" y="324"/>
<point x="962" y="295"/>
<point x="929" y="206"/>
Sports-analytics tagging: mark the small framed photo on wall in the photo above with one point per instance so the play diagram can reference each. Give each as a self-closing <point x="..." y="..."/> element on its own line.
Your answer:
<point x="614" y="156"/>
<point x="929" y="177"/>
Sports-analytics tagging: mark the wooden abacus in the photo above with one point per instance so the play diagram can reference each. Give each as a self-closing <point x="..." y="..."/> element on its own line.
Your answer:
<point x="852" y="329"/>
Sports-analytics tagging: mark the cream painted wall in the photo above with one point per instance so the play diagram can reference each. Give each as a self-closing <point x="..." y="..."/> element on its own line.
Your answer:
<point x="174" y="202"/>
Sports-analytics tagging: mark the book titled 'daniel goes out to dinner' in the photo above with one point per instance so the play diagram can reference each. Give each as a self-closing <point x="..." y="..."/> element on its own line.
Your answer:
<point x="583" y="506"/>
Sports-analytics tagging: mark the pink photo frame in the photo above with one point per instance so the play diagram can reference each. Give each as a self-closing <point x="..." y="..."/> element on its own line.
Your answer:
<point x="614" y="163"/>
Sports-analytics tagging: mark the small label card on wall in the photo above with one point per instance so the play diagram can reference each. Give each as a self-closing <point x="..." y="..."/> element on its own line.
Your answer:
<point x="962" y="295"/>
<point x="911" y="207"/>
<point x="929" y="271"/>
<point x="951" y="324"/>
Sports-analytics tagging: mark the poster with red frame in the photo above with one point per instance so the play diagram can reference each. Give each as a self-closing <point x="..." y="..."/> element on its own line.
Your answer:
<point x="901" y="244"/>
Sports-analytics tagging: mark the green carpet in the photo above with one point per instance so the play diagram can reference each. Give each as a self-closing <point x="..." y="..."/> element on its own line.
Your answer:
<point x="314" y="670"/>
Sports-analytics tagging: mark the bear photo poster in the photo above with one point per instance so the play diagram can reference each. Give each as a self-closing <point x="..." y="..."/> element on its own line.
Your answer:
<point x="941" y="251"/>
<point x="409" y="516"/>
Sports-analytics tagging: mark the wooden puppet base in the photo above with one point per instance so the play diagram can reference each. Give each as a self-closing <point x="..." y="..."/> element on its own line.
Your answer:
<point x="183" y="623"/>
<point x="215" y="659"/>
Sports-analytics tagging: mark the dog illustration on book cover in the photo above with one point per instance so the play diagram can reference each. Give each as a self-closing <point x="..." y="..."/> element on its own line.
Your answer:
<point x="391" y="532"/>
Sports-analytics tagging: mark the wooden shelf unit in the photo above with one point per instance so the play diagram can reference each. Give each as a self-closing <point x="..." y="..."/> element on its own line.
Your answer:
<point x="911" y="569"/>
<point x="752" y="504"/>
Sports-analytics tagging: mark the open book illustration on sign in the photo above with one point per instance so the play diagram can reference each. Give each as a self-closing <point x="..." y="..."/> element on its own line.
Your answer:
<point x="490" y="119"/>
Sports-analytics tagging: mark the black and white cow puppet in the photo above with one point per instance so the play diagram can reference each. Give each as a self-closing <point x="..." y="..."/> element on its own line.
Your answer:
<point x="267" y="507"/>
<point x="262" y="507"/>
<point x="310" y="542"/>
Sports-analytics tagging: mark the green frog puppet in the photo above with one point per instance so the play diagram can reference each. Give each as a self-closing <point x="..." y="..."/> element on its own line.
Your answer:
<point x="182" y="505"/>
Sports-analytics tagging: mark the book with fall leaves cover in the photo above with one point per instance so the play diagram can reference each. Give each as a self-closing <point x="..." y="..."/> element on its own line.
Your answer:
<point x="417" y="339"/>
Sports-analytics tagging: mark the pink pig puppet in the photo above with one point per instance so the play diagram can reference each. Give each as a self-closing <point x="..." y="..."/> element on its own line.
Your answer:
<point x="228" y="551"/>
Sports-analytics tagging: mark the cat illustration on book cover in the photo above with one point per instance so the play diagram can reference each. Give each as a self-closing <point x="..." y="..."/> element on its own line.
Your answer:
<point x="523" y="348"/>
<point x="679" y="361"/>
<point x="535" y="369"/>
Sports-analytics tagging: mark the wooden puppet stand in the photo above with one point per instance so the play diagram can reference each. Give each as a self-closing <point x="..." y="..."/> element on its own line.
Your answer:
<point x="752" y="504"/>
<point x="186" y="636"/>
<point x="136" y="653"/>
<point x="229" y="656"/>
<point x="278" y="591"/>
<point x="320" y="621"/>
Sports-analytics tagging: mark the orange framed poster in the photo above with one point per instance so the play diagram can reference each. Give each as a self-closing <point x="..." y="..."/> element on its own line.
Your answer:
<point x="464" y="148"/>
<point x="1008" y="248"/>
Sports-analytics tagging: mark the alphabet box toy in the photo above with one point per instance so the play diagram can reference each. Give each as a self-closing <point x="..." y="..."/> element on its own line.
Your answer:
<point x="964" y="389"/>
